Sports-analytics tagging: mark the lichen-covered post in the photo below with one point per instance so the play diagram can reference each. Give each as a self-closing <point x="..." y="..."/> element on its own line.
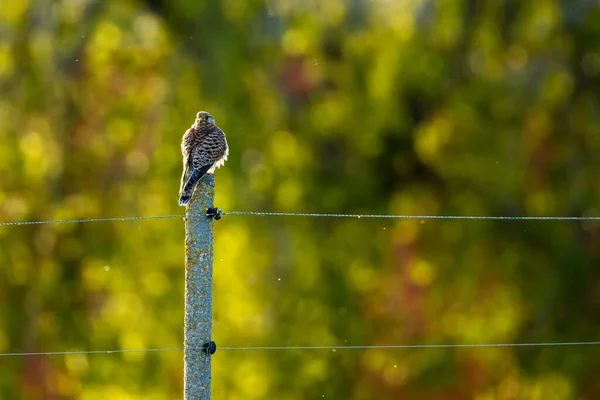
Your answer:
<point x="198" y="291"/>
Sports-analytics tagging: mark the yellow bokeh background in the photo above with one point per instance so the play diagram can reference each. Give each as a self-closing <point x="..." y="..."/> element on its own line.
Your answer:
<point x="376" y="107"/>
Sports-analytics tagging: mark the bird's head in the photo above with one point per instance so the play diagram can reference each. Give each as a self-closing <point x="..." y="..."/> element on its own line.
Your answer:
<point x="204" y="118"/>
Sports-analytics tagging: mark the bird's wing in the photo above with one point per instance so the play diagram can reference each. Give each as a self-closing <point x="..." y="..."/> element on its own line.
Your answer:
<point x="210" y="149"/>
<point x="187" y="145"/>
<point x="200" y="157"/>
<point x="184" y="175"/>
<point x="218" y="145"/>
<point x="188" y="142"/>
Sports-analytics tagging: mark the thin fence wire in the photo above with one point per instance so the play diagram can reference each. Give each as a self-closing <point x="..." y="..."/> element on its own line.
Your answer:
<point x="333" y="348"/>
<point x="77" y="221"/>
<point x="315" y="215"/>
<point x="358" y="216"/>
<point x="66" y="353"/>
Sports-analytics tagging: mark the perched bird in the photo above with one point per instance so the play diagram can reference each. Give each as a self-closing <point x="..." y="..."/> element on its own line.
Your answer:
<point x="204" y="149"/>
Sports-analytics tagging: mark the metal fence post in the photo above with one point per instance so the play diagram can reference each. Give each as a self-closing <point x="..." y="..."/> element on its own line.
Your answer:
<point x="198" y="291"/>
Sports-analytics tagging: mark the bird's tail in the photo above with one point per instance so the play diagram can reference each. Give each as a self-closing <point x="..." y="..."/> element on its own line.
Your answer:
<point x="188" y="190"/>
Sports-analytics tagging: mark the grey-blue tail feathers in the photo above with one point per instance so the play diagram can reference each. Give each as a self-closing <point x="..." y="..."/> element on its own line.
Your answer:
<point x="190" y="185"/>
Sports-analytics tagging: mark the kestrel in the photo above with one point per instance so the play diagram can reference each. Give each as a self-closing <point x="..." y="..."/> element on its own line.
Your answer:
<point x="204" y="149"/>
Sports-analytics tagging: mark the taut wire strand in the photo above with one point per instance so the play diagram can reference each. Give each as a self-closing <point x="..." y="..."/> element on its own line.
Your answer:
<point x="286" y="214"/>
<point x="333" y="347"/>
<point x="482" y="217"/>
<point x="413" y="346"/>
<point x="76" y="221"/>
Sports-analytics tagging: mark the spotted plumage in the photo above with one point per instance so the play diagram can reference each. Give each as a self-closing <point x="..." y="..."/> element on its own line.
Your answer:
<point x="204" y="148"/>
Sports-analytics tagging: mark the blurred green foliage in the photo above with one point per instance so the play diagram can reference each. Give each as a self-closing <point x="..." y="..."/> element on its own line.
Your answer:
<point x="402" y="107"/>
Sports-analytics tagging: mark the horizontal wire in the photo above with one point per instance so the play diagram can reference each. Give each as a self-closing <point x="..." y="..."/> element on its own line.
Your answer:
<point x="286" y="214"/>
<point x="59" y="353"/>
<point x="413" y="346"/>
<point x="279" y="348"/>
<point x="75" y="221"/>
<point x="484" y="217"/>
